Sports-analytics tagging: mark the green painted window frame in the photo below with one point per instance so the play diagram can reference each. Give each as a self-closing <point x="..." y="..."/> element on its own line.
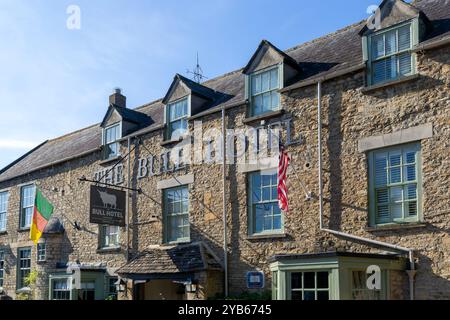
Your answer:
<point x="111" y="289"/>
<point x="402" y="149"/>
<point x="185" y="117"/>
<point x="249" y="89"/>
<point x="4" y="199"/>
<point x="251" y="205"/>
<point x="26" y="209"/>
<point x="2" y="267"/>
<point x="367" y="51"/>
<point x="182" y="214"/>
<point x="114" y="142"/>
<point x="23" y="271"/>
<point x="382" y="292"/>
<point x="303" y="289"/>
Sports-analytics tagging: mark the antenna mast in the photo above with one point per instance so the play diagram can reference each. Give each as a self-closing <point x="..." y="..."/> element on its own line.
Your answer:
<point x="197" y="73"/>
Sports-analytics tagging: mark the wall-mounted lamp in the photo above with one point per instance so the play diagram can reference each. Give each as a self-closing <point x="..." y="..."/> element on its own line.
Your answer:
<point x="191" y="286"/>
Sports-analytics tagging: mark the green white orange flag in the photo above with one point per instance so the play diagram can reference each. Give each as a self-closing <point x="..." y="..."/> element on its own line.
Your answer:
<point x="43" y="210"/>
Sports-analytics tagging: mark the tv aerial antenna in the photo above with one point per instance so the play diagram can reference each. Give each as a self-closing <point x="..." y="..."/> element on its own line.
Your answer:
<point x="197" y="72"/>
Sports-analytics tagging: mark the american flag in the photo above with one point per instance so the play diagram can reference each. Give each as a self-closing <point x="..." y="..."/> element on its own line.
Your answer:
<point x="283" y="165"/>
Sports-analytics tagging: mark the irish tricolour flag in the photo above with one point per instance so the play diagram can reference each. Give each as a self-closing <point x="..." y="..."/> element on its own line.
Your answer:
<point x="43" y="210"/>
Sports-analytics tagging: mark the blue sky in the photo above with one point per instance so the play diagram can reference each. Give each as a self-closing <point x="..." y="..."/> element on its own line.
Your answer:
<point x="54" y="80"/>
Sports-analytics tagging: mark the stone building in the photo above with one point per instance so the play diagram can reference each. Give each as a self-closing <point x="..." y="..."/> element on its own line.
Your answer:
<point x="364" y="116"/>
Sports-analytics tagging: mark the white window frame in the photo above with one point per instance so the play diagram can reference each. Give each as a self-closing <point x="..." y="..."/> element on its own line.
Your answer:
<point x="20" y="277"/>
<point x="116" y="142"/>
<point x="41" y="253"/>
<point x="303" y="289"/>
<point x="170" y="215"/>
<point x="66" y="278"/>
<point x="185" y="117"/>
<point x="106" y="234"/>
<point x="4" y="200"/>
<point x="23" y="208"/>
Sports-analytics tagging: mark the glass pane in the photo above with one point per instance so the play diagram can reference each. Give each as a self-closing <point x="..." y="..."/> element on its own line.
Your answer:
<point x="296" y="296"/>
<point x="410" y="157"/>
<point x="310" y="296"/>
<point x="396" y="175"/>
<point x="274" y="79"/>
<point x="382" y="196"/>
<point x="391" y="42"/>
<point x="397" y="194"/>
<point x="377" y="46"/>
<point x="410" y="173"/>
<point x="266" y="194"/>
<point x="275" y="100"/>
<point x="266" y="102"/>
<point x="277" y="222"/>
<point x="405" y="64"/>
<point x="256" y="84"/>
<point x="309" y="280"/>
<point x="411" y="192"/>
<point x="258" y="105"/>
<point x="382" y="212"/>
<point x="397" y="211"/>
<point x="404" y="38"/>
<point x="322" y="280"/>
<point x="323" y="296"/>
<point x="411" y="208"/>
<point x="265" y="81"/>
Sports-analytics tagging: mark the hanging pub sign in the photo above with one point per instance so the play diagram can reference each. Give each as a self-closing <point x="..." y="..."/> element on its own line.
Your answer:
<point x="107" y="206"/>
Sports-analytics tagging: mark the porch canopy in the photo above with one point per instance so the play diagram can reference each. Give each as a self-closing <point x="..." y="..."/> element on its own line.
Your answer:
<point x="178" y="263"/>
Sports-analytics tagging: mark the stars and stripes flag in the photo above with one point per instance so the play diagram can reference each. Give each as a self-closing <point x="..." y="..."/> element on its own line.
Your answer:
<point x="283" y="165"/>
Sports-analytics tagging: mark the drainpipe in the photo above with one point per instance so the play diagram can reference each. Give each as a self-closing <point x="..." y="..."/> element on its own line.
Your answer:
<point x="412" y="272"/>
<point x="128" y="198"/>
<point x="224" y="200"/>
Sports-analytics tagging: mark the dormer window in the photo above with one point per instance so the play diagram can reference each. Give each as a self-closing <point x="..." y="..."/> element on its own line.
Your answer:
<point x="177" y="114"/>
<point x="110" y="140"/>
<point x="390" y="55"/>
<point x="264" y="91"/>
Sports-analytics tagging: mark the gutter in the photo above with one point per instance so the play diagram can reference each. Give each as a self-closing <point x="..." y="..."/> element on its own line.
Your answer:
<point x="432" y="45"/>
<point x="330" y="76"/>
<point x="411" y="273"/>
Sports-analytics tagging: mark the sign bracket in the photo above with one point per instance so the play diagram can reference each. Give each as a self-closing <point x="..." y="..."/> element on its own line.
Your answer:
<point x="84" y="179"/>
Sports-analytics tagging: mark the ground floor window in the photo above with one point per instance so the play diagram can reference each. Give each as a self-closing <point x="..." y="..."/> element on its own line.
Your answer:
<point x="2" y="266"/>
<point x="60" y="289"/>
<point x="310" y="286"/>
<point x="360" y="290"/>
<point x="111" y="293"/>
<point x="24" y="266"/>
<point x="87" y="291"/>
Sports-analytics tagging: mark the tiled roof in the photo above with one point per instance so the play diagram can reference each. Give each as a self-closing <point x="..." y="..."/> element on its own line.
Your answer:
<point x="318" y="58"/>
<point x="179" y="259"/>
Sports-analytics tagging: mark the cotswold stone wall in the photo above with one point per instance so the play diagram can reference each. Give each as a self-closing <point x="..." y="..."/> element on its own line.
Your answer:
<point x="349" y="114"/>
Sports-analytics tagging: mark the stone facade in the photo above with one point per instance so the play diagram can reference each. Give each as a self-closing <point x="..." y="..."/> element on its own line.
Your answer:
<point x="349" y="114"/>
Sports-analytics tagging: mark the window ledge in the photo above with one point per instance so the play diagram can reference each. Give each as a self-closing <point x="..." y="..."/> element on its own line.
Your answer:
<point x="390" y="83"/>
<point x="264" y="116"/>
<point x="169" y="142"/>
<point x="397" y="226"/>
<point x="267" y="236"/>
<point x="106" y="161"/>
<point x="24" y="229"/>
<point x="109" y="250"/>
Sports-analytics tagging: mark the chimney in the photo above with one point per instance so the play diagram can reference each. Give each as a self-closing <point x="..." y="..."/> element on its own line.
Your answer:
<point x="118" y="99"/>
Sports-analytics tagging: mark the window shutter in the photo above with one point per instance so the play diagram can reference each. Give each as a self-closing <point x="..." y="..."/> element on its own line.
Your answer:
<point x="379" y="71"/>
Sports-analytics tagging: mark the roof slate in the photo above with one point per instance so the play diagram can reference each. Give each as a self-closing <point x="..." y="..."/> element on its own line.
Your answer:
<point x="318" y="58"/>
<point x="179" y="259"/>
